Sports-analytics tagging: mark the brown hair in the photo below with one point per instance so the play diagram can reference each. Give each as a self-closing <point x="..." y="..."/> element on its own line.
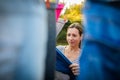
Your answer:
<point x="78" y="27"/>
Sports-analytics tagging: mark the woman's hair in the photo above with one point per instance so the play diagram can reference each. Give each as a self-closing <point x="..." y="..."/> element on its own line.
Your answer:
<point x="78" y="27"/>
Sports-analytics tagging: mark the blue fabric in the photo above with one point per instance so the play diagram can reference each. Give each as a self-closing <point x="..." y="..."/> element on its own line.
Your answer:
<point x="62" y="64"/>
<point x="101" y="42"/>
<point x="22" y="50"/>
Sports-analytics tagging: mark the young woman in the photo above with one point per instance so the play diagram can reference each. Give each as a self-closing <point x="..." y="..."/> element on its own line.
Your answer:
<point x="72" y="50"/>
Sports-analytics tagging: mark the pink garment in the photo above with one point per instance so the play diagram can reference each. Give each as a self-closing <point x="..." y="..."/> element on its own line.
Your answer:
<point x="58" y="10"/>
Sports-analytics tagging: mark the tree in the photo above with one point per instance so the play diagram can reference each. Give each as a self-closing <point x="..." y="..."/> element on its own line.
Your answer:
<point x="73" y="13"/>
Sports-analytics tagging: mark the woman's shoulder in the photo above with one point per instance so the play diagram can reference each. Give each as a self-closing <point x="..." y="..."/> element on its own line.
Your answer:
<point x="60" y="47"/>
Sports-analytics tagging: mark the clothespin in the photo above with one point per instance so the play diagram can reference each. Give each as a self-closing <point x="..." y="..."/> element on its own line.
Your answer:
<point x="48" y="4"/>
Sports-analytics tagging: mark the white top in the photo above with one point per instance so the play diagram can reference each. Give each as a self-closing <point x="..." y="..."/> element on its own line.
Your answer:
<point x="62" y="48"/>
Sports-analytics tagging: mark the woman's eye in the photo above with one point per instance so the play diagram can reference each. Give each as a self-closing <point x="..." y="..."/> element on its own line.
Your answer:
<point x="74" y="35"/>
<point x="68" y="34"/>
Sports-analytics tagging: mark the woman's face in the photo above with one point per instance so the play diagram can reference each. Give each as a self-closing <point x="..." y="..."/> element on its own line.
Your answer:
<point x="73" y="37"/>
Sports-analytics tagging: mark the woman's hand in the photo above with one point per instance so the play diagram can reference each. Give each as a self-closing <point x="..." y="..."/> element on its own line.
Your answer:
<point x="75" y="68"/>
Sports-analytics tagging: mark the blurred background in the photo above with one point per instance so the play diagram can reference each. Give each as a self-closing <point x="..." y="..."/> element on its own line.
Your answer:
<point x="71" y="12"/>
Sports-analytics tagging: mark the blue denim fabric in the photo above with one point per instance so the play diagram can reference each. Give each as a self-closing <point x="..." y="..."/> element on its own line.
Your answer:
<point x="22" y="46"/>
<point x="101" y="42"/>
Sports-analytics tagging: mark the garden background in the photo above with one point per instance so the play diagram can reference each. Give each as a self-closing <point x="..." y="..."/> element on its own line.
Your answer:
<point x="72" y="14"/>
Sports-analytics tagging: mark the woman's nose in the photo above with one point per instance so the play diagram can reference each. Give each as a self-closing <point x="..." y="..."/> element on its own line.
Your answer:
<point x="70" y="37"/>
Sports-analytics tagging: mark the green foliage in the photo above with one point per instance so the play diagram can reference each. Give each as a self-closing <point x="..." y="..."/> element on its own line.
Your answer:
<point x="61" y="38"/>
<point x="73" y="13"/>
